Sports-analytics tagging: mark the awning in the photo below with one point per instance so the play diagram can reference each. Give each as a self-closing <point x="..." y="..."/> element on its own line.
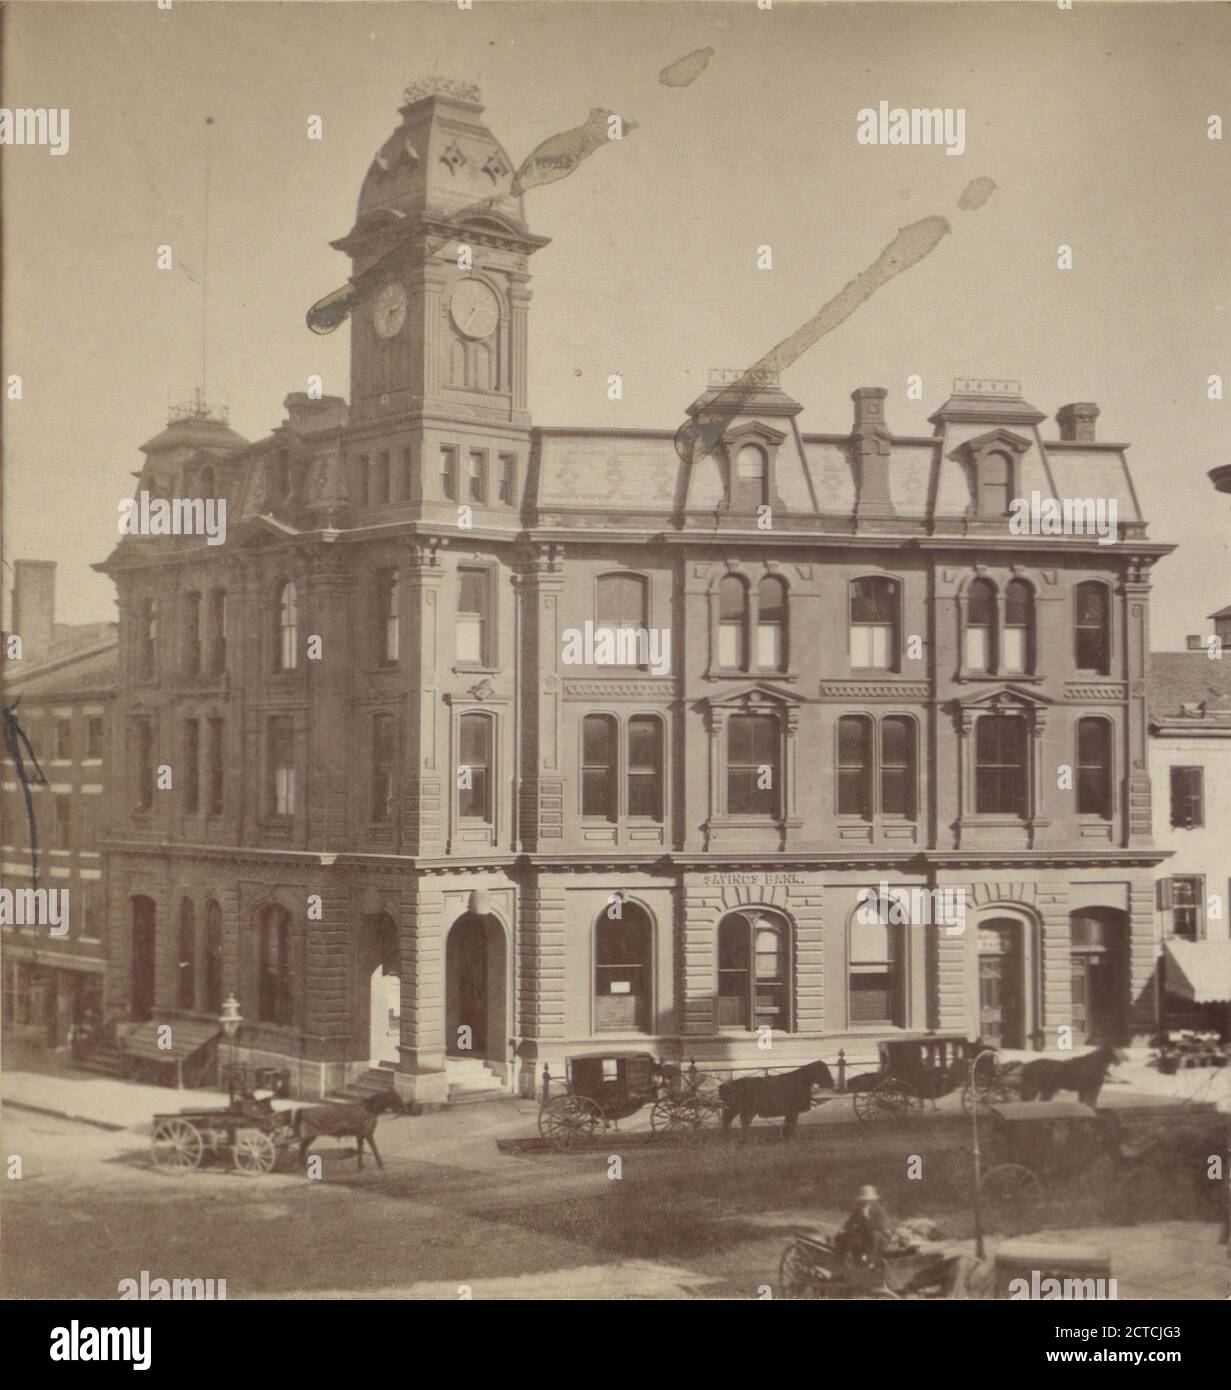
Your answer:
<point x="1199" y="970"/>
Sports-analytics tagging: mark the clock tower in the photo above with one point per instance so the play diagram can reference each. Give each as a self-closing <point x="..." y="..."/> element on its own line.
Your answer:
<point x="439" y="254"/>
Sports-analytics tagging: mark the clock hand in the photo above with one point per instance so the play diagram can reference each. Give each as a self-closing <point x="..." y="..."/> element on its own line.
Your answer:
<point x="470" y="320"/>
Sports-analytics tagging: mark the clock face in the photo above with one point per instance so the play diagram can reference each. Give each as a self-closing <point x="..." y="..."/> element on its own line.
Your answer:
<point x="475" y="310"/>
<point x="389" y="310"/>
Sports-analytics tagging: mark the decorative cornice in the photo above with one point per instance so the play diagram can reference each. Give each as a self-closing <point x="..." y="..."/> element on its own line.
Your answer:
<point x="874" y="690"/>
<point x="663" y="689"/>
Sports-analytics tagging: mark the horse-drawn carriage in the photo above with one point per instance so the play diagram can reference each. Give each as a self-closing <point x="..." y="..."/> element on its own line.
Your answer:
<point x="913" y="1070"/>
<point x="248" y="1132"/>
<point x="601" y="1089"/>
<point x="1056" y="1149"/>
<point x="812" y="1266"/>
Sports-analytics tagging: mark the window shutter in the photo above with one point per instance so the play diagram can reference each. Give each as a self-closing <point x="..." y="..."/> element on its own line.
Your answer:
<point x="1162" y="889"/>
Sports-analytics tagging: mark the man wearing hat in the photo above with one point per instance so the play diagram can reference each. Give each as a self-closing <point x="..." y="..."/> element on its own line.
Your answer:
<point x="866" y="1233"/>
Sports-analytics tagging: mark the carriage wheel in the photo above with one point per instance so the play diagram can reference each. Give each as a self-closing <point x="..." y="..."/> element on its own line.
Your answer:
<point x="254" y="1152"/>
<point x="177" y="1145"/>
<point x="891" y="1100"/>
<point x="795" y="1275"/>
<point x="994" y="1090"/>
<point x="1012" y="1200"/>
<point x="567" y="1120"/>
<point x="684" y="1115"/>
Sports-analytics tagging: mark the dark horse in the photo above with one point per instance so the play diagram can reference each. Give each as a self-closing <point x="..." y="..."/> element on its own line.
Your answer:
<point x="350" y="1119"/>
<point x="1085" y="1075"/>
<point x="788" y="1094"/>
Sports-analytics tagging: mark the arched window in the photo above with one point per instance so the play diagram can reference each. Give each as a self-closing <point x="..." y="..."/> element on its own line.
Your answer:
<point x="387" y="617"/>
<point x="753" y="765"/>
<point x="212" y="1002"/>
<point x="598" y="767"/>
<point x="751" y="488"/>
<point x="381" y="479"/>
<point x="980" y="635"/>
<point x="621" y="601"/>
<point x="207" y="485"/>
<point x="1000" y="765"/>
<point x="1092" y="630"/>
<point x="282" y="475"/>
<point x="623" y="971"/>
<point x="855" y="766"/>
<point x="753" y="972"/>
<point x="474" y="802"/>
<point x="874" y="624"/>
<point x="287" y="637"/>
<point x="645" y="766"/>
<point x="384" y="762"/>
<point x="1094" y="768"/>
<point x="147" y="638"/>
<point x="898" y="766"/>
<point x="186" y="977"/>
<point x="1017" y="649"/>
<point x="732" y="624"/>
<point x="771" y="624"/>
<point x="876" y="980"/>
<point x="995" y="472"/>
<point x="276" y="996"/>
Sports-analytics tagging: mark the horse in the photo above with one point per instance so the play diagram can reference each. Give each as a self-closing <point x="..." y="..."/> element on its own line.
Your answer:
<point x="350" y="1119"/>
<point x="788" y="1094"/>
<point x="1085" y="1075"/>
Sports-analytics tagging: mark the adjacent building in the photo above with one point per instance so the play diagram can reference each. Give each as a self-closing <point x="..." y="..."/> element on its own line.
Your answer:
<point x="63" y="689"/>
<point x="386" y="779"/>
<point x="1190" y="765"/>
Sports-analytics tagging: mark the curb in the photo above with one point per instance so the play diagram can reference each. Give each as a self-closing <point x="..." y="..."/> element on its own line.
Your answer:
<point x="63" y="1115"/>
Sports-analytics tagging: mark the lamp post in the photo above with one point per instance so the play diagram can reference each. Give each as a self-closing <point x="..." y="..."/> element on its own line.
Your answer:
<point x="974" y="1122"/>
<point x="230" y="1021"/>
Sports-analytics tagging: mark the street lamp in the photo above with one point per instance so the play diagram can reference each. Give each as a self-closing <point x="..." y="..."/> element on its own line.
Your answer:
<point x="974" y="1122"/>
<point x="230" y="1021"/>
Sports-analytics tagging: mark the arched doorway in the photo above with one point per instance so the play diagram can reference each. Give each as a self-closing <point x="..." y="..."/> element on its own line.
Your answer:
<point x="475" y="975"/>
<point x="381" y="977"/>
<point x="1098" y="949"/>
<point x="754" y="962"/>
<point x="141" y="961"/>
<point x="1003" y="992"/>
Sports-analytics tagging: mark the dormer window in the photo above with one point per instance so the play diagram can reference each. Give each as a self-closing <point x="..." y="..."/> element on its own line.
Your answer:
<point x="751" y="478"/>
<point x="995" y="473"/>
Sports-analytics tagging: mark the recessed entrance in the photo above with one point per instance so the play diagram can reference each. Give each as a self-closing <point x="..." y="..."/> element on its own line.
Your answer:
<point x="141" y="978"/>
<point x="475" y="1006"/>
<point x="380" y="967"/>
<point x="1098" y="955"/>
<point x="1002" y="983"/>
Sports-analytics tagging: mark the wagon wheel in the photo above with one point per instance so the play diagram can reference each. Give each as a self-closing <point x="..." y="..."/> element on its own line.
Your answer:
<point x="891" y="1100"/>
<point x="995" y="1089"/>
<point x="567" y="1120"/>
<point x="1012" y="1200"/>
<point x="795" y="1273"/>
<point x="684" y="1115"/>
<point x="177" y="1144"/>
<point x="254" y="1152"/>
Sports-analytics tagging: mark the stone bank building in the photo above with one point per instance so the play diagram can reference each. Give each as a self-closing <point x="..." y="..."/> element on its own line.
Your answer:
<point x="403" y="831"/>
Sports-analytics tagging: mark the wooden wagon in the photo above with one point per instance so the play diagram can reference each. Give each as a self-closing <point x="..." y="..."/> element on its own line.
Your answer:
<point x="249" y="1134"/>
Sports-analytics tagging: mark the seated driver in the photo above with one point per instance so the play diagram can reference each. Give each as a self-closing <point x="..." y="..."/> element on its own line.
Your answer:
<point x="866" y="1234"/>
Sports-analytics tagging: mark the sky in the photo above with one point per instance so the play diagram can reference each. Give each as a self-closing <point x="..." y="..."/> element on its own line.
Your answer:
<point x="1091" y="121"/>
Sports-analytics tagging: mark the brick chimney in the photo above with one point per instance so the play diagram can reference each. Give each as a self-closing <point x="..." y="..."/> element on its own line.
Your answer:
<point x="1076" y="422"/>
<point x="34" y="605"/>
<point x="872" y="443"/>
